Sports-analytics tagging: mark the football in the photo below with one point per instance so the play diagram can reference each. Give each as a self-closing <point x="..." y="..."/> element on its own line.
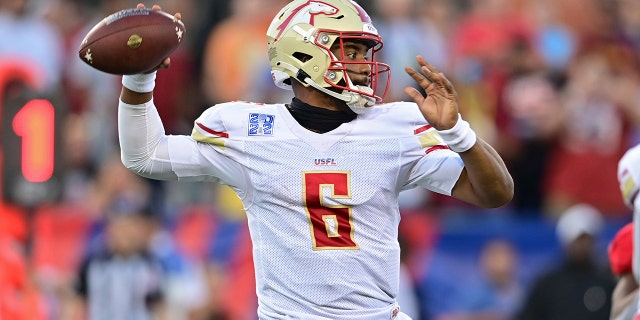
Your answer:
<point x="131" y="41"/>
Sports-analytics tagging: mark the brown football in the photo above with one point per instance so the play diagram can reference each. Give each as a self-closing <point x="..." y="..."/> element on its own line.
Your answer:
<point x="131" y="41"/>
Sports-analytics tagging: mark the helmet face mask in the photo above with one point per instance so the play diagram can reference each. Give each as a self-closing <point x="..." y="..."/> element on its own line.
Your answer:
<point x="341" y="64"/>
<point x="307" y="42"/>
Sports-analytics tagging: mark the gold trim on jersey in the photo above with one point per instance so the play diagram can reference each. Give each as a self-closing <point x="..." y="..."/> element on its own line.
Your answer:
<point x="201" y="137"/>
<point x="430" y="139"/>
<point x="627" y="187"/>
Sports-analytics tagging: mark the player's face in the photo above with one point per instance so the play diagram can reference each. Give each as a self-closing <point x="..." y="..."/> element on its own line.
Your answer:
<point x="356" y="57"/>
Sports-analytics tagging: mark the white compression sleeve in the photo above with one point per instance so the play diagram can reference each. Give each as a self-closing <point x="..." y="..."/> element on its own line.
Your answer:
<point x="149" y="152"/>
<point x="143" y="143"/>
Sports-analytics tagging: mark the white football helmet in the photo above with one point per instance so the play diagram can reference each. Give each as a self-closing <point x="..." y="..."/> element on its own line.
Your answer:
<point x="629" y="177"/>
<point x="300" y="39"/>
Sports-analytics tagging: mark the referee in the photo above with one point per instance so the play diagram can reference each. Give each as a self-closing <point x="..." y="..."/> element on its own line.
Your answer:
<point x="122" y="280"/>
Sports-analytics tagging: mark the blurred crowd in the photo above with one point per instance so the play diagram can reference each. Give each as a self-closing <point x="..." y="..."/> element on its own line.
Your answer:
<point x="553" y="85"/>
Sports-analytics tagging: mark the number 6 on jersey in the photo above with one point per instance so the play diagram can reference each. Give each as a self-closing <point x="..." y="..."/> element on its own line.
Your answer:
<point x="331" y="225"/>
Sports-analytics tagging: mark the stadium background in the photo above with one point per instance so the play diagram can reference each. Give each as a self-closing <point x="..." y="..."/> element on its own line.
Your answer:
<point x="552" y="84"/>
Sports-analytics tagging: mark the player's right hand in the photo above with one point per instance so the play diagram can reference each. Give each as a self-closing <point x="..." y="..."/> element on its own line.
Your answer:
<point x="167" y="62"/>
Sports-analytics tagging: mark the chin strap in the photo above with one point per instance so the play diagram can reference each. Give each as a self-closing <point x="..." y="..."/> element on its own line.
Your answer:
<point x="358" y="103"/>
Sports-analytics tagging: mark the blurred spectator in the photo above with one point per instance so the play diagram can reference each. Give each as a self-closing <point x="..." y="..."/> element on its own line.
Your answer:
<point x="114" y="182"/>
<point x="19" y="297"/>
<point x="486" y="33"/>
<point x="182" y="247"/>
<point x="497" y="295"/>
<point x="624" y="299"/>
<point x="534" y="117"/>
<point x="34" y="42"/>
<point x="403" y="37"/>
<point x="554" y="40"/>
<point x="628" y="19"/>
<point x="490" y="43"/>
<point x="122" y="280"/>
<point x="90" y="95"/>
<point x="579" y="288"/>
<point x="80" y="169"/>
<point x="60" y="233"/>
<point x="234" y="66"/>
<point x="69" y="18"/>
<point x="208" y="15"/>
<point x="585" y="18"/>
<point x="230" y="271"/>
<point x="438" y="18"/>
<point x="230" y="268"/>
<point x="594" y="135"/>
<point x="178" y="97"/>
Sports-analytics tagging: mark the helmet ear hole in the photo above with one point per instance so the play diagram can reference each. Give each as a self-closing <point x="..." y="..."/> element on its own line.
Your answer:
<point x="302" y="57"/>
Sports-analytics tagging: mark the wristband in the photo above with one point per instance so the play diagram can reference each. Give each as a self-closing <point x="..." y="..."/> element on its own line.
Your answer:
<point x="460" y="138"/>
<point x="142" y="82"/>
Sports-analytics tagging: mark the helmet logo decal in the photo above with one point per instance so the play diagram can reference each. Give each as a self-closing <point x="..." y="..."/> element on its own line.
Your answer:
<point x="306" y="13"/>
<point x="364" y="16"/>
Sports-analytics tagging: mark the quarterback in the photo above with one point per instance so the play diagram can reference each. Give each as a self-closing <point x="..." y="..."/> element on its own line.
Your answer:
<point x="319" y="176"/>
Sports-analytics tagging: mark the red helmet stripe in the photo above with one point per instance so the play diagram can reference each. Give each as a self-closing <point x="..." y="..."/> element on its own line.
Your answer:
<point x="319" y="8"/>
<point x="364" y="16"/>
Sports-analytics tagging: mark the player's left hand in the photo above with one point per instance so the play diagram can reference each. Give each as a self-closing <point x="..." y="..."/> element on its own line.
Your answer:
<point x="440" y="106"/>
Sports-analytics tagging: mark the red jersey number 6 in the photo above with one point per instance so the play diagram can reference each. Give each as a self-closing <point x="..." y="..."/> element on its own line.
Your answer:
<point x="331" y="225"/>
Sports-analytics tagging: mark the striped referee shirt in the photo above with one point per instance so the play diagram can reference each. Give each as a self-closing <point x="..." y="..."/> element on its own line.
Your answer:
<point x="116" y="287"/>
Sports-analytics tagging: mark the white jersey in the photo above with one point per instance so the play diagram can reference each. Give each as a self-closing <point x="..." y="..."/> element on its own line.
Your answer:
<point x="322" y="208"/>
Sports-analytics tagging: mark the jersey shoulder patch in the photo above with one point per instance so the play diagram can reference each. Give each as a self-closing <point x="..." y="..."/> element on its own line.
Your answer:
<point x="232" y="120"/>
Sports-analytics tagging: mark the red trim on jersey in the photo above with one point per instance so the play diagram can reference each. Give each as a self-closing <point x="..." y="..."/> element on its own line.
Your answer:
<point x="422" y="129"/>
<point x="438" y="147"/>
<point x="213" y="132"/>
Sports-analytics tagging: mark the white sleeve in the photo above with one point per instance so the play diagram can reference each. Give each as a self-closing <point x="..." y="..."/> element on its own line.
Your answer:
<point x="438" y="171"/>
<point x="149" y="152"/>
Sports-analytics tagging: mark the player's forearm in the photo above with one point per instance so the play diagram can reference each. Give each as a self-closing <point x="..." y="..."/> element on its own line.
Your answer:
<point x="135" y="98"/>
<point x="624" y="298"/>
<point x="140" y="128"/>
<point x="140" y="132"/>
<point x="487" y="174"/>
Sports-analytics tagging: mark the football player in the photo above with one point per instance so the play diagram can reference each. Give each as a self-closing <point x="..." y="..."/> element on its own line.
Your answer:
<point x="319" y="177"/>
<point x="624" y="300"/>
<point x="624" y="252"/>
